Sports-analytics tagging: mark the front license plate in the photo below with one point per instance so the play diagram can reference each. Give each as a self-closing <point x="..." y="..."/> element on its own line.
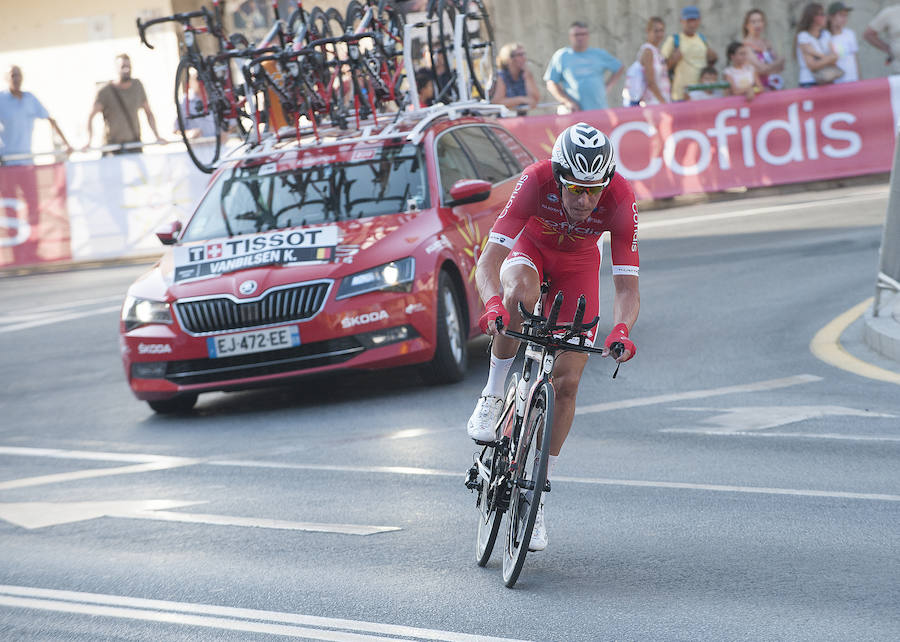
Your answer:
<point x="230" y="345"/>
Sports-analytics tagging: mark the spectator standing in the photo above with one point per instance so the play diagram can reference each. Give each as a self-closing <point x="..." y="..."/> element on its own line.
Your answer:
<point x="18" y="111"/>
<point x="119" y="101"/>
<point x="813" y="44"/>
<point x="656" y="71"/>
<point x="843" y="41"/>
<point x="576" y="76"/>
<point x="708" y="76"/>
<point x="515" y="86"/>
<point x="769" y="64"/>
<point x="687" y="53"/>
<point x="740" y="73"/>
<point x="886" y="22"/>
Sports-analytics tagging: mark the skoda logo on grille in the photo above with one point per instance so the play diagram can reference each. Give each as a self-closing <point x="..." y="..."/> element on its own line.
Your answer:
<point x="247" y="287"/>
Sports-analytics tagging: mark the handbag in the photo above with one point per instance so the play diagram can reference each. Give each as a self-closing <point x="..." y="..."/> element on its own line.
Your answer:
<point x="827" y="74"/>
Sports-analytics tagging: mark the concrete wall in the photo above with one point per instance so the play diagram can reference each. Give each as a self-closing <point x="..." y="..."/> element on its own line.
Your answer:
<point x="619" y="27"/>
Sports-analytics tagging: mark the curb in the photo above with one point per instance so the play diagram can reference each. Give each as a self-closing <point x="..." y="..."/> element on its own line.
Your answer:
<point x="882" y="333"/>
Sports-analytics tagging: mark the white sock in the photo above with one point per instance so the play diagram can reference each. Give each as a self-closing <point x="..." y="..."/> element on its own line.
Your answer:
<point x="551" y="464"/>
<point x="496" y="382"/>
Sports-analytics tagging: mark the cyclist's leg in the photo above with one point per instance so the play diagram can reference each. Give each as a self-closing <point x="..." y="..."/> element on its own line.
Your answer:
<point x="573" y="275"/>
<point x="566" y="376"/>
<point x="520" y="279"/>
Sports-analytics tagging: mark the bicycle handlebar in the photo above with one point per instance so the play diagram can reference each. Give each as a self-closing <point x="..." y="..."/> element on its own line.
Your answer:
<point x="183" y="18"/>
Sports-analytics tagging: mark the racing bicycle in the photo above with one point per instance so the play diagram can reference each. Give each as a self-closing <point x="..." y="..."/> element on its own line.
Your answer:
<point x="510" y="474"/>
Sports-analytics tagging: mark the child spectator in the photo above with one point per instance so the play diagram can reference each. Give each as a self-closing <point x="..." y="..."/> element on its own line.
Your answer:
<point x="740" y="73"/>
<point x="843" y="41"/>
<point x="708" y="76"/>
<point x="769" y="64"/>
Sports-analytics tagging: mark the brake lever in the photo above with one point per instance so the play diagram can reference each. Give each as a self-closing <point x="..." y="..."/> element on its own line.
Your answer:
<point x="616" y="349"/>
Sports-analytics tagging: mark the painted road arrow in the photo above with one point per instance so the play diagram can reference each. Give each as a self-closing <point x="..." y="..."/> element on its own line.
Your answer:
<point x="32" y="515"/>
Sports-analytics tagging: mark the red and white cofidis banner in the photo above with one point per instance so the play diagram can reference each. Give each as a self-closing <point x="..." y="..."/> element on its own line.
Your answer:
<point x="34" y="221"/>
<point x="711" y="145"/>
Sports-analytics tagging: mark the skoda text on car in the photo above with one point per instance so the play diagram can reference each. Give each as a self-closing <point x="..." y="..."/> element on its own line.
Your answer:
<point x="300" y="259"/>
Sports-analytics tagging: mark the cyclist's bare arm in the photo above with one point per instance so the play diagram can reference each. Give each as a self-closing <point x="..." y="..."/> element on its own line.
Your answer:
<point x="626" y="304"/>
<point x="487" y="275"/>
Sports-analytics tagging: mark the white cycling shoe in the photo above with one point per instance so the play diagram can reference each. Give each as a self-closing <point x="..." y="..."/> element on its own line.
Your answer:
<point x="539" y="534"/>
<point x="482" y="424"/>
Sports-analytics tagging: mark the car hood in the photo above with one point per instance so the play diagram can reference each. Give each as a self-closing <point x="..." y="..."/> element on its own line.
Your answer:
<point x="226" y="265"/>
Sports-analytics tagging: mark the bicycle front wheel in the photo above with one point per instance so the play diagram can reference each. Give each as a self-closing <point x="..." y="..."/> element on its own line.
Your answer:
<point x="492" y="492"/>
<point x="528" y="481"/>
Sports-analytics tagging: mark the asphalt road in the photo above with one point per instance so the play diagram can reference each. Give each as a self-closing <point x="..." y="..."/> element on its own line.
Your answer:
<point x="727" y="485"/>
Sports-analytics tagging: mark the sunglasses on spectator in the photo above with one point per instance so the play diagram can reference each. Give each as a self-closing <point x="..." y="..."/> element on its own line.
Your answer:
<point x="575" y="188"/>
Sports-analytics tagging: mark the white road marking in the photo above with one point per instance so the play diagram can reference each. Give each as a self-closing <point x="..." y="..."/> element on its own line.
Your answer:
<point x="750" y="418"/>
<point x="32" y="313"/>
<point x="164" y="463"/>
<point x="390" y="470"/>
<point x="802" y="435"/>
<point x="719" y="488"/>
<point x="772" y="384"/>
<point x="32" y="515"/>
<point x="220" y="617"/>
<point x="59" y="453"/>
<point x="771" y="209"/>
<point x="429" y="472"/>
<point x="58" y="319"/>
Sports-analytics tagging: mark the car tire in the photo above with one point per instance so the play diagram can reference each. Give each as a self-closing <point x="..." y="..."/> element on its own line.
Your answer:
<point x="451" y="353"/>
<point x="175" y="406"/>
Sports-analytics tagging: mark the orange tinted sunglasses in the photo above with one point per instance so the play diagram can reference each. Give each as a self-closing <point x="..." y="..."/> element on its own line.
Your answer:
<point x="574" y="188"/>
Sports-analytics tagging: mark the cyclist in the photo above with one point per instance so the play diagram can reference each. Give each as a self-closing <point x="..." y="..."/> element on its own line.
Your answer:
<point x="551" y="228"/>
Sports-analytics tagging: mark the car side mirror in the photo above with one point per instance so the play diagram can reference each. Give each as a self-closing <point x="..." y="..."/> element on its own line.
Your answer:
<point x="468" y="190"/>
<point x="167" y="233"/>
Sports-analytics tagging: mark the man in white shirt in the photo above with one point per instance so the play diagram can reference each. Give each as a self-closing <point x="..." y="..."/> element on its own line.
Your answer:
<point x="887" y="22"/>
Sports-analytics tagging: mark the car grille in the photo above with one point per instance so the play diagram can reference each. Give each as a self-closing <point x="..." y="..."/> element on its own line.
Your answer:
<point x="277" y="306"/>
<point x="304" y="357"/>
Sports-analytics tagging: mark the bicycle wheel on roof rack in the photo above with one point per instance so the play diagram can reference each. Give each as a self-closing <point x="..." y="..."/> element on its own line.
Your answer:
<point x="200" y="118"/>
<point x="479" y="48"/>
<point x="441" y="52"/>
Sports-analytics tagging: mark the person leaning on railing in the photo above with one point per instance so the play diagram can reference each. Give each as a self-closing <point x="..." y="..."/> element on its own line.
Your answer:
<point x="18" y="111"/>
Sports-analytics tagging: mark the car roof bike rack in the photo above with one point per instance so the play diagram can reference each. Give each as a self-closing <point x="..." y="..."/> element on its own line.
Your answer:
<point x="398" y="129"/>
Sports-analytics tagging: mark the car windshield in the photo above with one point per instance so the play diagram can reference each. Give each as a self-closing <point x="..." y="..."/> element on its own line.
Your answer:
<point x="261" y="198"/>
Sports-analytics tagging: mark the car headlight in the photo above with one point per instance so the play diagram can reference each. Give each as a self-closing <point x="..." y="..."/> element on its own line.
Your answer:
<point x="137" y="312"/>
<point x="395" y="276"/>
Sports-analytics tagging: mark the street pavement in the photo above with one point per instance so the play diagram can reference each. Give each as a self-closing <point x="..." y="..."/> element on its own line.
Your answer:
<point x="737" y="481"/>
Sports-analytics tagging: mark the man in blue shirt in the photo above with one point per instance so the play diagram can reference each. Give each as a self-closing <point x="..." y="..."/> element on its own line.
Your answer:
<point x="576" y="75"/>
<point x="18" y="111"/>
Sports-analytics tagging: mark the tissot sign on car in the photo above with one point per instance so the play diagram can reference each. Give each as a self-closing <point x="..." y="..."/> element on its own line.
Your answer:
<point x="199" y="260"/>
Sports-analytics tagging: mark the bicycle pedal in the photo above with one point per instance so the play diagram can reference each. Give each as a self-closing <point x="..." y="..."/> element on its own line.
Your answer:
<point x="492" y="444"/>
<point x="472" y="482"/>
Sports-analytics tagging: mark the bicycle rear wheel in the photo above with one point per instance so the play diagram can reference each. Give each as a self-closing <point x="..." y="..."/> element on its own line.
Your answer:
<point x="200" y="120"/>
<point x="528" y="481"/>
<point x="441" y="50"/>
<point x="491" y="495"/>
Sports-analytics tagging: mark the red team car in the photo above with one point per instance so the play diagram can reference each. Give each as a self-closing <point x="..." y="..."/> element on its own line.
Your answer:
<point x="353" y="254"/>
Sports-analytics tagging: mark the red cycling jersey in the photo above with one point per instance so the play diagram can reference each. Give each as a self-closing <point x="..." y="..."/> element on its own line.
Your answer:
<point x="534" y="210"/>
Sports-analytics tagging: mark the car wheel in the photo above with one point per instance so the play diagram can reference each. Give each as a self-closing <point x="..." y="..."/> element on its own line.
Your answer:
<point x="451" y="352"/>
<point x="174" y="406"/>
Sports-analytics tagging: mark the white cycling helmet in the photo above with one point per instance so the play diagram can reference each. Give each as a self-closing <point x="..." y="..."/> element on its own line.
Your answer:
<point x="585" y="153"/>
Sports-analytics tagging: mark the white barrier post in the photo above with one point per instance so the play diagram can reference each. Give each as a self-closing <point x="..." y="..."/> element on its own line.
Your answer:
<point x="889" y="258"/>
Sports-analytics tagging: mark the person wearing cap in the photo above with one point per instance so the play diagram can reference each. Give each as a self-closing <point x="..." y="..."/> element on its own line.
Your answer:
<point x="577" y="75"/>
<point x="886" y="23"/>
<point x="843" y="41"/>
<point x="687" y="53"/>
